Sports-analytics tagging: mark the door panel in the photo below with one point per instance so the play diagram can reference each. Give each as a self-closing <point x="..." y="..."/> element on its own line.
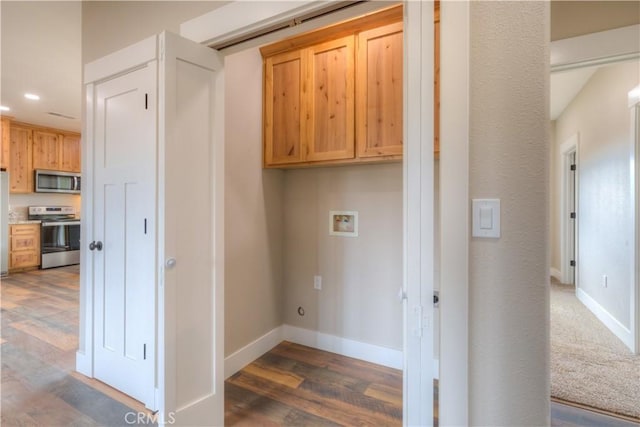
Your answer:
<point x="124" y="218"/>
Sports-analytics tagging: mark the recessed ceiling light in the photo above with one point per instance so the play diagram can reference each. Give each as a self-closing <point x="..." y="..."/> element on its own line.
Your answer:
<point x="31" y="96"/>
<point x="3" y="108"/>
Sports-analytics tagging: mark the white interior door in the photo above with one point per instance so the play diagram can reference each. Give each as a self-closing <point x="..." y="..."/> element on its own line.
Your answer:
<point x="124" y="233"/>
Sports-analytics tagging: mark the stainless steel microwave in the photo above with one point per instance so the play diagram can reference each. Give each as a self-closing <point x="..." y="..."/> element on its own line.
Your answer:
<point x="57" y="182"/>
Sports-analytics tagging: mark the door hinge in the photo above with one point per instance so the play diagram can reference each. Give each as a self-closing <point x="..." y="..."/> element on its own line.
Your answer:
<point x="144" y="351"/>
<point x="572" y="263"/>
<point x="573" y="167"/>
<point x="572" y="215"/>
<point x="146" y="101"/>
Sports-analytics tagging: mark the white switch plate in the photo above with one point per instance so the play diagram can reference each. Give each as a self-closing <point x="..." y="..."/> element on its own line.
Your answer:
<point x="317" y="282"/>
<point x="485" y="218"/>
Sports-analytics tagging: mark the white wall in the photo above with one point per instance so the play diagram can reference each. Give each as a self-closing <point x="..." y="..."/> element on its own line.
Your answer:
<point x="599" y="114"/>
<point x="361" y="275"/>
<point x="509" y="160"/>
<point x="108" y="26"/>
<point x="253" y="211"/>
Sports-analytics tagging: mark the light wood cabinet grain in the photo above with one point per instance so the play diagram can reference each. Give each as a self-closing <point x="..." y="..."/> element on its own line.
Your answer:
<point x="379" y="91"/>
<point x="24" y="250"/>
<point x="330" y="102"/>
<point x="334" y="95"/>
<point x="20" y="163"/>
<point x="284" y="124"/>
<point x="55" y="150"/>
<point x="5" y="142"/>
<point x="46" y="150"/>
<point x="70" y="153"/>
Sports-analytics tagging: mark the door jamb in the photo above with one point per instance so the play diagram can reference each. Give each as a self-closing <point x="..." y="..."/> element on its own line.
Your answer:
<point x="634" y="106"/>
<point x="568" y="147"/>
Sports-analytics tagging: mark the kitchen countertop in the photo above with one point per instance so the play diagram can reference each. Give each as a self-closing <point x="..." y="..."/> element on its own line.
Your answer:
<point x="25" y="221"/>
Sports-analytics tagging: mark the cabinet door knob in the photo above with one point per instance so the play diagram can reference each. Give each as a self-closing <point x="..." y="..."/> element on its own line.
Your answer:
<point x="95" y="245"/>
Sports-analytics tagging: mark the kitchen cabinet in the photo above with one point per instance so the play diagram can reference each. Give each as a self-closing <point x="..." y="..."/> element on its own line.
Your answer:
<point x="33" y="147"/>
<point x="379" y="92"/>
<point x="334" y="95"/>
<point x="46" y="150"/>
<point x="20" y="161"/>
<point x="5" y="141"/>
<point x="55" y="150"/>
<point x="70" y="153"/>
<point x="24" y="249"/>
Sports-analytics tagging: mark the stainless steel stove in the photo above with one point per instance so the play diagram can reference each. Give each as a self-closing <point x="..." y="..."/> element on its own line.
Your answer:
<point x="59" y="235"/>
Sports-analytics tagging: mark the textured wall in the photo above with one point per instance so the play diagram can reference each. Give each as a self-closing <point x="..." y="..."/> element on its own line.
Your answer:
<point x="509" y="159"/>
<point x="111" y="25"/>
<point x="599" y="114"/>
<point x="361" y="275"/>
<point x="253" y="211"/>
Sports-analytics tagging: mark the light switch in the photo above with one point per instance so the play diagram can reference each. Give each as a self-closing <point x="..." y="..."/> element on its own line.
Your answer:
<point x="486" y="218"/>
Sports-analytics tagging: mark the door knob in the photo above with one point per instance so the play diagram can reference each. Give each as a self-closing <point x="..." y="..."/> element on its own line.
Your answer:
<point x="95" y="245"/>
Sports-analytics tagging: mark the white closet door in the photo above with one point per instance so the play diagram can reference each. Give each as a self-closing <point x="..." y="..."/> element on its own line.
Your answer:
<point x="124" y="229"/>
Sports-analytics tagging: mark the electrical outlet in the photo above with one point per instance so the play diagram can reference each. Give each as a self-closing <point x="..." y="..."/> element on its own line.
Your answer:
<point x="317" y="282"/>
<point x="605" y="281"/>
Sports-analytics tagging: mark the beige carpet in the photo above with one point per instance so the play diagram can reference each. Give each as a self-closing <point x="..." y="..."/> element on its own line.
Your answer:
<point x="589" y="365"/>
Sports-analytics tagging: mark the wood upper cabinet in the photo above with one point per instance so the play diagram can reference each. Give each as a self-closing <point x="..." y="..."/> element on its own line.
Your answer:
<point x="54" y="150"/>
<point x="46" y="150"/>
<point x="379" y="92"/>
<point x="21" y="167"/>
<point x="334" y="95"/>
<point x="33" y="147"/>
<point x="5" y="142"/>
<point x="283" y="103"/>
<point x="70" y="153"/>
<point x="330" y="73"/>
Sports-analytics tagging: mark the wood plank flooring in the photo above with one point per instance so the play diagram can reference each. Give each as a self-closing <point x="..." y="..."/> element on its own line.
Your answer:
<point x="39" y="313"/>
<point x="297" y="385"/>
<point x="291" y="385"/>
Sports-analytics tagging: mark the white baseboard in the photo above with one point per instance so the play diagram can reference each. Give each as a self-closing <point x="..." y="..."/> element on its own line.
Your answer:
<point x="617" y="328"/>
<point x="250" y="352"/>
<point x="345" y="347"/>
<point x="556" y="273"/>
<point x="83" y="364"/>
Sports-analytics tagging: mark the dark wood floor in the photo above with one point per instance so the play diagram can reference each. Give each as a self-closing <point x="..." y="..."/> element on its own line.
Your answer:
<point x="296" y="385"/>
<point x="290" y="385"/>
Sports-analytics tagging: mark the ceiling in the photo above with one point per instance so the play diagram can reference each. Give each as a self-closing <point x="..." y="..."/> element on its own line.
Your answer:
<point x="41" y="53"/>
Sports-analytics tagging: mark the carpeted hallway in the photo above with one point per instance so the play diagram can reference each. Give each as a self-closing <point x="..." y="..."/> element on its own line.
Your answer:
<point x="590" y="365"/>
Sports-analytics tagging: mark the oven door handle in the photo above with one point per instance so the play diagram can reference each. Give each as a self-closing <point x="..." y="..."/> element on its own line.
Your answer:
<point x="54" y="224"/>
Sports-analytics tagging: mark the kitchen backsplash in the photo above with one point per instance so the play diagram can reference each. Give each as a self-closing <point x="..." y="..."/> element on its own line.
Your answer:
<point x="19" y="203"/>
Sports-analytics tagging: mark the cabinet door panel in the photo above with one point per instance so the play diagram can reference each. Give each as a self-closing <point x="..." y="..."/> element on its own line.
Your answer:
<point x="20" y="172"/>
<point x="379" y="91"/>
<point x="284" y="126"/>
<point x="5" y="135"/>
<point x="46" y="150"/>
<point x="70" y="153"/>
<point x="330" y="132"/>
